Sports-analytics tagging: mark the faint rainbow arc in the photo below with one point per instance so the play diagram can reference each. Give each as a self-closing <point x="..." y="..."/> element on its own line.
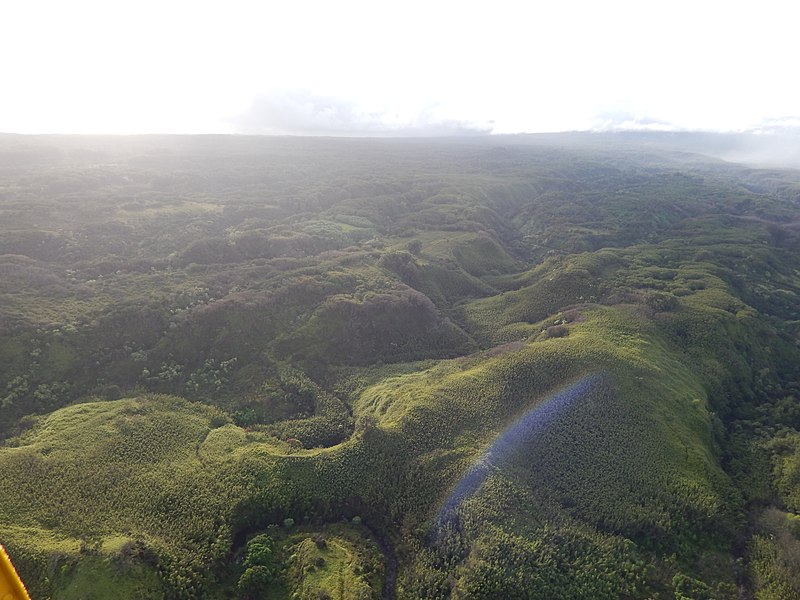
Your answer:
<point x="522" y="430"/>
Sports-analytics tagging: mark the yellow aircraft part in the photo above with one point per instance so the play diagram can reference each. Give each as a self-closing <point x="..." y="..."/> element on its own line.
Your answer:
<point x="11" y="586"/>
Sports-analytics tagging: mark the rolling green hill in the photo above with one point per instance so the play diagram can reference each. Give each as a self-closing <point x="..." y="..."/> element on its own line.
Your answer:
<point x="548" y="367"/>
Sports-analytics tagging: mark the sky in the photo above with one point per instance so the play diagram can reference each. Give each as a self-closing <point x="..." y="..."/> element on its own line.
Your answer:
<point x="388" y="67"/>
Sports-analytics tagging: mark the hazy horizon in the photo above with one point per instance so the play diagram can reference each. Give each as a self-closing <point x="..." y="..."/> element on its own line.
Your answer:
<point x="390" y="69"/>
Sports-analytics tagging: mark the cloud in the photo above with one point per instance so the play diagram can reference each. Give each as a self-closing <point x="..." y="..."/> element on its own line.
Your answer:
<point x="781" y="125"/>
<point x="306" y="113"/>
<point x="622" y="120"/>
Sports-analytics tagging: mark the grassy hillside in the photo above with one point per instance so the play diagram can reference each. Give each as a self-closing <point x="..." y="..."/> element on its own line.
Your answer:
<point x="291" y="368"/>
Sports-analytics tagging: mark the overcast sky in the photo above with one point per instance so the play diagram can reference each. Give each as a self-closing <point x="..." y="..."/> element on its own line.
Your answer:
<point x="343" y="67"/>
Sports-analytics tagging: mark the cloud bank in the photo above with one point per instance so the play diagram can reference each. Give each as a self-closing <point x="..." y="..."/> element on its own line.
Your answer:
<point x="306" y="113"/>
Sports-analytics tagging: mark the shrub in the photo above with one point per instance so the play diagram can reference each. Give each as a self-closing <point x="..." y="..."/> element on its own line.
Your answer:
<point x="557" y="331"/>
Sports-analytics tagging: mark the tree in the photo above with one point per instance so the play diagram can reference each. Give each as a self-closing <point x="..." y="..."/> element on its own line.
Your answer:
<point x="254" y="581"/>
<point x="260" y="567"/>
<point x="259" y="552"/>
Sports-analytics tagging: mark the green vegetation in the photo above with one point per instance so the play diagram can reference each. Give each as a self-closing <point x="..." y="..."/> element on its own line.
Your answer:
<point x="260" y="368"/>
<point x="332" y="567"/>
